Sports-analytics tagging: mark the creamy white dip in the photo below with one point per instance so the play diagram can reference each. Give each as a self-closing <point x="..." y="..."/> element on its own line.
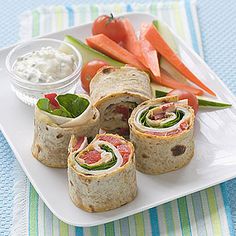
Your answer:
<point x="45" y="65"/>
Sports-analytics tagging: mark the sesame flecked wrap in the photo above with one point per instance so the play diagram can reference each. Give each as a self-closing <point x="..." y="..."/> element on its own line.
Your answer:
<point x="106" y="183"/>
<point x="116" y="92"/>
<point x="162" y="133"/>
<point x="52" y="134"/>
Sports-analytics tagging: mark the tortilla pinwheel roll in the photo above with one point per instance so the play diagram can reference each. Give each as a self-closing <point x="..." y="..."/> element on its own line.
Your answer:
<point x="162" y="133"/>
<point x="102" y="176"/>
<point x="56" y="119"/>
<point x="116" y="92"/>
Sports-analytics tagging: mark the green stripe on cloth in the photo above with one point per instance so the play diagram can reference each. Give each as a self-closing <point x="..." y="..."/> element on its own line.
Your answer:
<point x="184" y="218"/>
<point x="36" y="27"/>
<point x="197" y="214"/>
<point x="140" y="231"/>
<point x="109" y="228"/>
<point x="94" y="11"/>
<point x="59" y="17"/>
<point x="33" y="212"/>
<point x="213" y="210"/>
<point x="178" y="18"/>
<point x="63" y="228"/>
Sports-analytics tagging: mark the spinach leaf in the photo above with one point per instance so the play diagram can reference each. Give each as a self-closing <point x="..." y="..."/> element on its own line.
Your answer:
<point x="179" y="116"/>
<point x="103" y="166"/>
<point x="44" y="105"/>
<point x="143" y="116"/>
<point x="73" y="103"/>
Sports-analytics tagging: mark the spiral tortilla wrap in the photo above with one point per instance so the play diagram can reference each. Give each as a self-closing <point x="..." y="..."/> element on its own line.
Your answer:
<point x="108" y="186"/>
<point x="52" y="134"/>
<point x="116" y="92"/>
<point x="162" y="149"/>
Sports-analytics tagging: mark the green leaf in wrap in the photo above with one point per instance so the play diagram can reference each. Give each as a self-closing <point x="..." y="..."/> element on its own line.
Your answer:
<point x="71" y="105"/>
<point x="179" y="116"/>
<point x="142" y="118"/>
<point x="44" y="105"/>
<point x="103" y="166"/>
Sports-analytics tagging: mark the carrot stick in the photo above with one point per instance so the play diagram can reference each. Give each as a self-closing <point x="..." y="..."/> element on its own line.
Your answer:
<point x="168" y="81"/>
<point x="148" y="54"/>
<point x="131" y="41"/>
<point x="153" y="36"/>
<point x="102" y="43"/>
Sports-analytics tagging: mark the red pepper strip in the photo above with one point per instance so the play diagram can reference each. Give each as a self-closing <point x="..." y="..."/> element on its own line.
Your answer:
<point x="52" y="99"/>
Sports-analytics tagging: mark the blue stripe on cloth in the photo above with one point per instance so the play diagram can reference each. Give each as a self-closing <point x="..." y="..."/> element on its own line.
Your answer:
<point x="197" y="206"/>
<point x="79" y="231"/>
<point x="70" y="16"/>
<point x="169" y="218"/>
<point x="154" y="221"/>
<point x="48" y="219"/>
<point x="129" y="8"/>
<point x="94" y="230"/>
<point x="124" y="226"/>
<point x="191" y="26"/>
<point x="227" y="208"/>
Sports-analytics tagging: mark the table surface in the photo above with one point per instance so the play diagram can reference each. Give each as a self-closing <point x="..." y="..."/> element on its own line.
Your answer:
<point x="217" y="22"/>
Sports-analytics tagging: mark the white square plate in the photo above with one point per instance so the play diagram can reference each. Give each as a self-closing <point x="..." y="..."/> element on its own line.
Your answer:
<point x="215" y="149"/>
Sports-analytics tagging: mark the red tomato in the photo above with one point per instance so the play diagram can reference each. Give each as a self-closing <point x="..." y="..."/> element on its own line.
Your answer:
<point x="112" y="27"/>
<point x="123" y="149"/>
<point x="182" y="94"/>
<point x="89" y="70"/>
<point x="52" y="99"/>
<point x="80" y="140"/>
<point x="124" y="111"/>
<point x="91" y="157"/>
<point x="114" y="141"/>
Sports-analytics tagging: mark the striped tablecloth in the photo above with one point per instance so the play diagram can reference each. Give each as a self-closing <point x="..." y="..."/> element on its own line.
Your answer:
<point x="202" y="213"/>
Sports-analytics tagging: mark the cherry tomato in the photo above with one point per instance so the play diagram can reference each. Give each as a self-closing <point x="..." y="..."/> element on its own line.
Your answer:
<point x="89" y="70"/>
<point x="182" y="94"/>
<point x="112" y="27"/>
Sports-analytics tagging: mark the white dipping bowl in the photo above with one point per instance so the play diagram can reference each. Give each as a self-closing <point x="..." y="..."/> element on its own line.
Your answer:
<point x="29" y="92"/>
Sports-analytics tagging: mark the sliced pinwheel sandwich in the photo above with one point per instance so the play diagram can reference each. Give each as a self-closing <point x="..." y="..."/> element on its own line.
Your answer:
<point x="116" y="92"/>
<point x="57" y="117"/>
<point x="102" y="176"/>
<point x="162" y="133"/>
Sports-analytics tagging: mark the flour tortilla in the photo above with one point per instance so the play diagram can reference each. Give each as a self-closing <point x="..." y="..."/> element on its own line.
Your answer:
<point x="116" y="85"/>
<point x="51" y="139"/>
<point x="104" y="191"/>
<point x="161" y="154"/>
